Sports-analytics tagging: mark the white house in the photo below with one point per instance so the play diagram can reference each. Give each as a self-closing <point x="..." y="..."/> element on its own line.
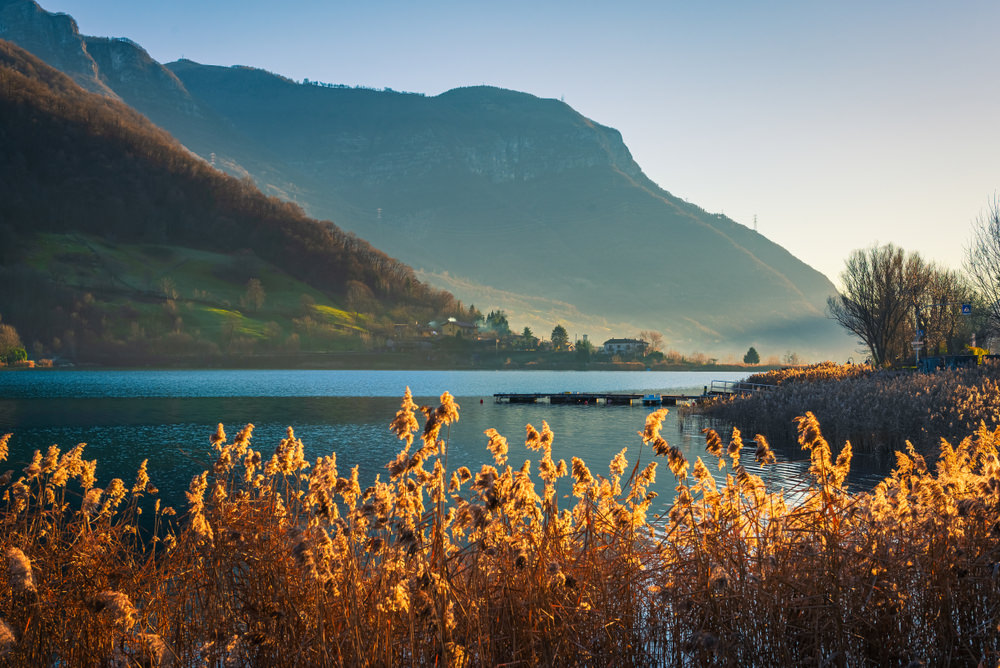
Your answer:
<point x="625" y="346"/>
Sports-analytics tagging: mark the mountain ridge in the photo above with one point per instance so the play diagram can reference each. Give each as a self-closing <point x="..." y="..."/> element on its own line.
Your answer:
<point x="412" y="223"/>
<point x="499" y="188"/>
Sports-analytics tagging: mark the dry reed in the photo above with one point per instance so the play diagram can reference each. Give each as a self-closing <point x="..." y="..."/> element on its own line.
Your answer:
<point x="285" y="562"/>
<point x="878" y="411"/>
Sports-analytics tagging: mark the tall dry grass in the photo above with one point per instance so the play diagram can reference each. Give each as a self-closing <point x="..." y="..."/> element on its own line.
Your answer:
<point x="811" y="373"/>
<point x="878" y="411"/>
<point x="280" y="561"/>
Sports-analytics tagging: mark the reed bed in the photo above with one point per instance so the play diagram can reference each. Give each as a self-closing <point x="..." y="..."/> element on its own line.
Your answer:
<point x="811" y="373"/>
<point x="282" y="562"/>
<point x="877" y="411"/>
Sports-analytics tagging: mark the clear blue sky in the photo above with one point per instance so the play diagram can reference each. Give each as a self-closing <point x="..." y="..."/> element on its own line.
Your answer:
<point x="838" y="124"/>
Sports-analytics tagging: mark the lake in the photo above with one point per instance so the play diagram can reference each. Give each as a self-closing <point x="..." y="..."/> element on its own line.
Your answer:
<point x="168" y="416"/>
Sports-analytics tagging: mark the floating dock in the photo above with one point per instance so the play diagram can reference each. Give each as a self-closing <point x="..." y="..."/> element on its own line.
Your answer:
<point x="594" y="398"/>
<point x="717" y="388"/>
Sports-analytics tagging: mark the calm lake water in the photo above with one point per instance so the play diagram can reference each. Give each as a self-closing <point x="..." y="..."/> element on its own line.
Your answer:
<point x="168" y="416"/>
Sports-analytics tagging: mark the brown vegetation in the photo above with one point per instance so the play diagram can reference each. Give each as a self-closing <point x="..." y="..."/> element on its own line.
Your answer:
<point x="878" y="411"/>
<point x="283" y="562"/>
<point x="75" y="162"/>
<point x="810" y="373"/>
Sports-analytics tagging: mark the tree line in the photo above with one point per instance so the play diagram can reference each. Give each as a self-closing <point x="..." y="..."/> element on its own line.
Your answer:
<point x="899" y="304"/>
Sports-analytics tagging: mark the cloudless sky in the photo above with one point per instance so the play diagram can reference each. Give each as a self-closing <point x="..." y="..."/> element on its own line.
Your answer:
<point x="837" y="124"/>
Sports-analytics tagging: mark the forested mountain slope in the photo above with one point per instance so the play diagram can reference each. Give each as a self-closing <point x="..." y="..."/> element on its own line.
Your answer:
<point x="81" y="168"/>
<point x="513" y="201"/>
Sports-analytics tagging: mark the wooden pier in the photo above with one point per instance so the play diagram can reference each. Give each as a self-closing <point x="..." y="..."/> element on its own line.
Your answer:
<point x="594" y="398"/>
<point x="717" y="388"/>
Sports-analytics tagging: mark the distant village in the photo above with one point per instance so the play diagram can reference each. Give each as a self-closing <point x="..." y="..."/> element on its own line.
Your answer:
<point x="493" y="333"/>
<point x="489" y="341"/>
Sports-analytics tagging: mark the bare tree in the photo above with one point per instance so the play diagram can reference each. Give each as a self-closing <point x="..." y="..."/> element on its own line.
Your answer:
<point x="940" y="313"/>
<point x="653" y="338"/>
<point x="882" y="286"/>
<point x="982" y="259"/>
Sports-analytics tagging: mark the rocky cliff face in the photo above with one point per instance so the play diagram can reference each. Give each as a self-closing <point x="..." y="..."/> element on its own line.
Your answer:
<point x="529" y="137"/>
<point x="126" y="68"/>
<point x="525" y="157"/>
<point x="116" y="67"/>
<point x="54" y="38"/>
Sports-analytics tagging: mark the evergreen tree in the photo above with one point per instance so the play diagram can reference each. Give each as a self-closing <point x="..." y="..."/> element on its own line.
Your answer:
<point x="751" y="357"/>
<point x="559" y="338"/>
<point x="497" y="321"/>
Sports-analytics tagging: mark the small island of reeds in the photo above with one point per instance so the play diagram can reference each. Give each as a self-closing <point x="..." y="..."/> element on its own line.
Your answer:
<point x="278" y="561"/>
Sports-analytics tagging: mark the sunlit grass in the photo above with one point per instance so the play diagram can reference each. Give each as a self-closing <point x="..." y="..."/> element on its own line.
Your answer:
<point x="236" y="322"/>
<point x="335" y="316"/>
<point x="138" y="295"/>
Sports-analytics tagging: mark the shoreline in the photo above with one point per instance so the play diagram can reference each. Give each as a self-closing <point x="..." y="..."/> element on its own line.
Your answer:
<point x="239" y="366"/>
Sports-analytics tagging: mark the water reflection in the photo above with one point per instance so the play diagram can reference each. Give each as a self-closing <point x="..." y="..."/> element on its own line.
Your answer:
<point x="173" y="434"/>
<point x="320" y="383"/>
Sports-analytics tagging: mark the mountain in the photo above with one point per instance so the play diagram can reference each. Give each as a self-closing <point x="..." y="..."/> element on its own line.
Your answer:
<point x="116" y="239"/>
<point x="509" y="200"/>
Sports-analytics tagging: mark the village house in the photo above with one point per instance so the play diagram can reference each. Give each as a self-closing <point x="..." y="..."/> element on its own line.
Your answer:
<point x="625" y="347"/>
<point x="453" y="327"/>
